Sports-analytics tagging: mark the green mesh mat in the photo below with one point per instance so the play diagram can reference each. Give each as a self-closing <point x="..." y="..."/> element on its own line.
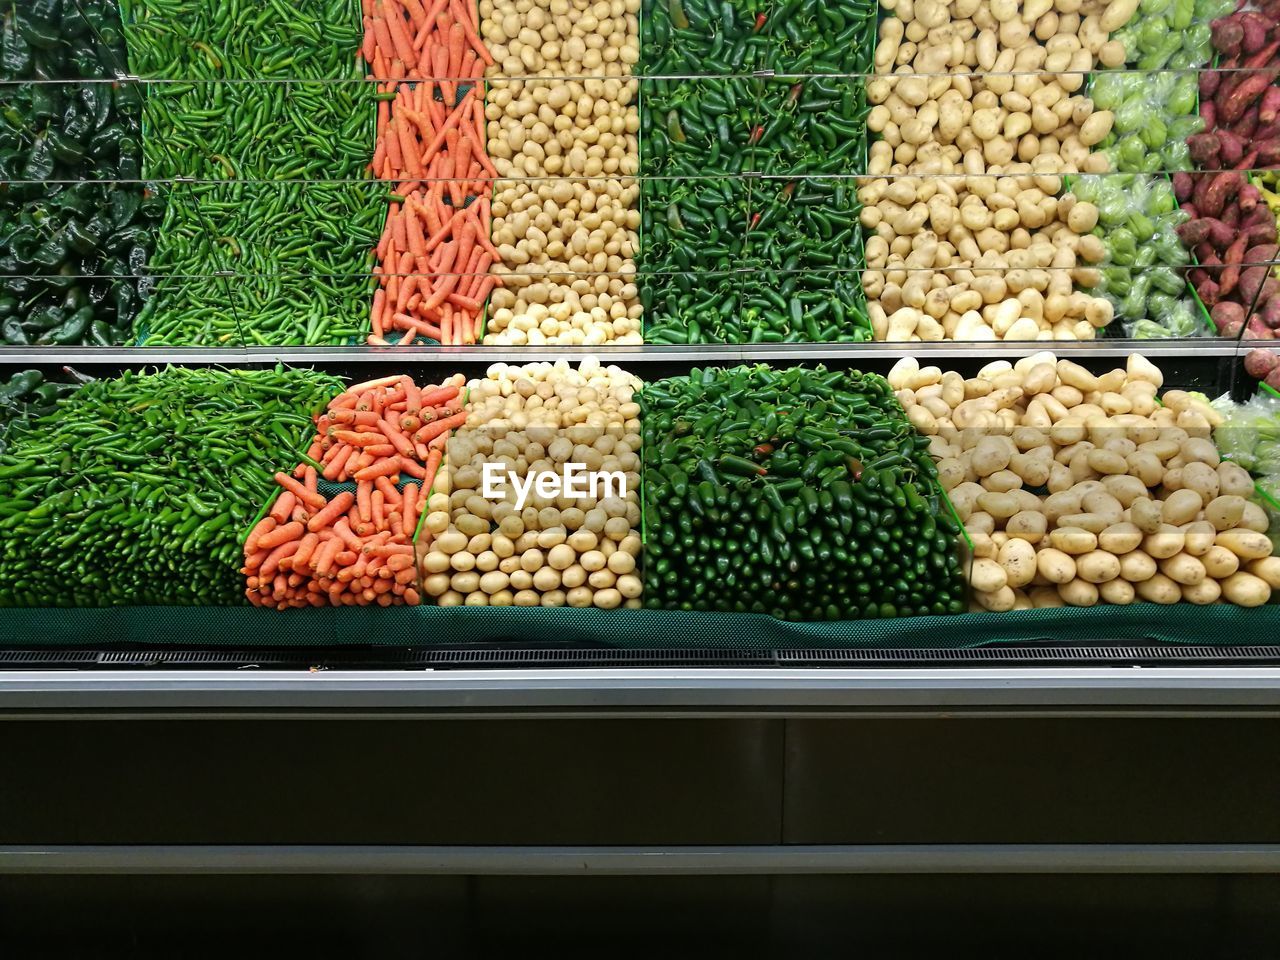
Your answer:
<point x="435" y="626"/>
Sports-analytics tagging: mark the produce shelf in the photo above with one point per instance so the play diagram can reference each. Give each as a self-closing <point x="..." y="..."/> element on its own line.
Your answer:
<point x="652" y="692"/>
<point x="648" y="353"/>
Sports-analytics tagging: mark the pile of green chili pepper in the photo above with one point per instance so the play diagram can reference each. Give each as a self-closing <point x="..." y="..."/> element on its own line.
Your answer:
<point x="264" y="108"/>
<point x="75" y="223"/>
<point x="748" y="216"/>
<point x="140" y="489"/>
<point x="800" y="493"/>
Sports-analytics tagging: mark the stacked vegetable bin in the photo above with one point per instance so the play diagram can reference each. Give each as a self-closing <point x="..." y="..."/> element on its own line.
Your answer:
<point x="603" y="174"/>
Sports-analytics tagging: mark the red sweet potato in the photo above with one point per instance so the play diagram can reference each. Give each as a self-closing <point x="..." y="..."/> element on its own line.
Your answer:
<point x="1227" y="34"/>
<point x="1227" y="312"/>
<point x="1270" y="106"/>
<point x="1248" y="197"/>
<point x="1273" y="380"/>
<point x="1209" y="80"/>
<point x="1267" y="152"/>
<point x="1205" y="149"/>
<point x="1256" y="30"/>
<point x="1232" y="106"/>
<point x="1270" y="289"/>
<point x="1230" y="276"/>
<point x="1209" y="114"/>
<point x="1263" y="231"/>
<point x="1259" y="363"/>
<point x="1182" y="184"/>
<point x="1204" y="230"/>
<point x="1222" y="187"/>
<point x="1263" y="57"/>
<point x="1231" y="330"/>
<point x="1270" y="313"/>
<point x="1197" y="276"/>
<point x="1231" y="148"/>
<point x="1231" y="217"/>
<point x="1255" y="329"/>
<point x="1261" y="253"/>
<point x="1251" y="280"/>
<point x="1208" y="293"/>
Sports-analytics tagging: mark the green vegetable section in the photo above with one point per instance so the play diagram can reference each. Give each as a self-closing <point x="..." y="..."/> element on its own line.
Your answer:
<point x="1142" y="274"/>
<point x="71" y="253"/>
<point x="1157" y="109"/>
<point x="263" y="107"/>
<point x="749" y="233"/>
<point x="804" y="494"/>
<point x="138" y="490"/>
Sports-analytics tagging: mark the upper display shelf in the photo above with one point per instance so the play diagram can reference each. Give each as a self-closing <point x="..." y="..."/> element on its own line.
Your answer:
<point x="576" y="174"/>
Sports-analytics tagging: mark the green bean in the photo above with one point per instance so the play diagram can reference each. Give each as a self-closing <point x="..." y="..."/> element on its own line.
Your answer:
<point x="154" y="511"/>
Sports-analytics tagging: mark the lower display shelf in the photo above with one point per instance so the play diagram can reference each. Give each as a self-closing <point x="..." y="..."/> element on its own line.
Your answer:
<point x="428" y="627"/>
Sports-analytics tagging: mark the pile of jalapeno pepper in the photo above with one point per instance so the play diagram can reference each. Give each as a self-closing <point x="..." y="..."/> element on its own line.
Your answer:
<point x="140" y="489"/>
<point x="75" y="222"/>
<point x="749" y="216"/>
<point x="800" y="493"/>
<point x="264" y="111"/>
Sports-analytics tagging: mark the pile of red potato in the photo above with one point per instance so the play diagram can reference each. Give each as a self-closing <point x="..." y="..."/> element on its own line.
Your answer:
<point x="1232" y="232"/>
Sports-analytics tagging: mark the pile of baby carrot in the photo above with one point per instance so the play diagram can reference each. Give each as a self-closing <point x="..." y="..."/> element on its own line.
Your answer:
<point x="435" y="252"/>
<point x="355" y="548"/>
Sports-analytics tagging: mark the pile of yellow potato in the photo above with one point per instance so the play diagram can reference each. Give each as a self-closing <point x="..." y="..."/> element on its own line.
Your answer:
<point x="979" y="108"/>
<point x="1077" y="489"/>
<point x="562" y="129"/>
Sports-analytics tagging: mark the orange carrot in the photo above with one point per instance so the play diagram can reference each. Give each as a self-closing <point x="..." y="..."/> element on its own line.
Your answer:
<point x="335" y="509"/>
<point x="335" y="467"/>
<point x="309" y="479"/>
<point x="283" y="507"/>
<point x="400" y="38"/>
<point x="382" y="32"/>
<point x="469" y="29"/>
<point x="272" y="563"/>
<point x="434" y="456"/>
<point x="389" y="492"/>
<point x="306" y="549"/>
<point x="394" y="155"/>
<point x="402" y="443"/>
<point x="440" y="428"/>
<point x="387" y="467"/>
<point x="325" y="556"/>
<point x="364" y="489"/>
<point x="265" y="525"/>
<point x="281" y="534"/>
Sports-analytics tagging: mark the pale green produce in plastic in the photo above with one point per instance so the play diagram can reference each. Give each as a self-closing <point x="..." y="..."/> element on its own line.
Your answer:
<point x="1142" y="274"/>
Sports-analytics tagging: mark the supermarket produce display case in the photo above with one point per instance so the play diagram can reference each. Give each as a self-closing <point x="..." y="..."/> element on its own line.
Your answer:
<point x="331" y="778"/>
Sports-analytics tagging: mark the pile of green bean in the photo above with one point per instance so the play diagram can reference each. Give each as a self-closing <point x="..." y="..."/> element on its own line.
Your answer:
<point x="263" y="107"/>
<point x="139" y="490"/>
<point x="801" y="493"/>
<point x="748" y="176"/>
